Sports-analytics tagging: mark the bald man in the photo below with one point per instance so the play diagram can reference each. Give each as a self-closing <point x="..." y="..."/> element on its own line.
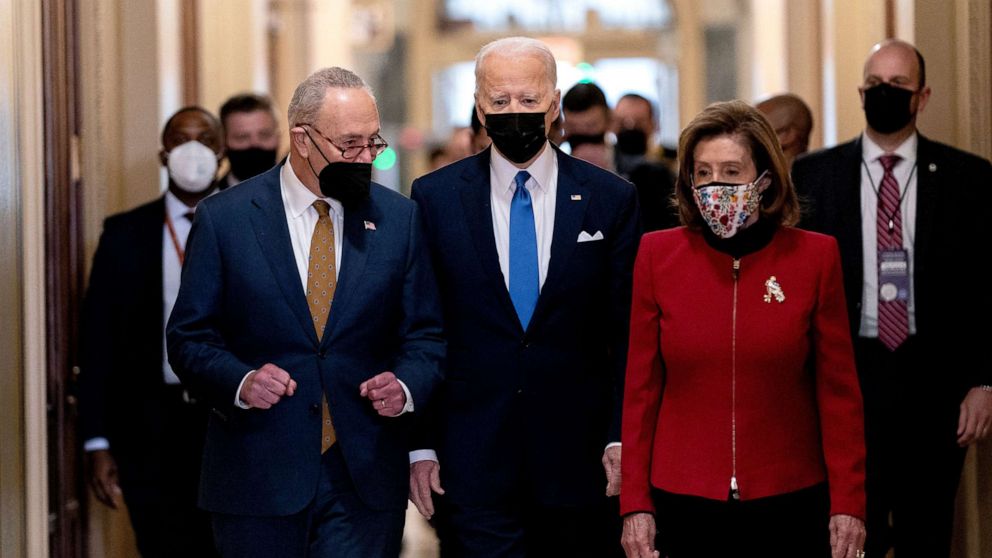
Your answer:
<point x="899" y="204"/>
<point x="792" y="121"/>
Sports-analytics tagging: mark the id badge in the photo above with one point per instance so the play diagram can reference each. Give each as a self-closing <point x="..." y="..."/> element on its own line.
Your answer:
<point x="893" y="275"/>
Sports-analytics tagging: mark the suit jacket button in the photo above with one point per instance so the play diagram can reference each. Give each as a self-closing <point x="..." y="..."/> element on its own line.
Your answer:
<point x="520" y="392"/>
<point x="315" y="409"/>
<point x="322" y="354"/>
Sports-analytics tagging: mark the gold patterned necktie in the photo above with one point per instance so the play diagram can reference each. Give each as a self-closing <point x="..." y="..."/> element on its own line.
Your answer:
<point x="321" y="280"/>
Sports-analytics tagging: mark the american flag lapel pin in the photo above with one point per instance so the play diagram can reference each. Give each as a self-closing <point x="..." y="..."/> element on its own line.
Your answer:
<point x="576" y="197"/>
<point x="369" y="226"/>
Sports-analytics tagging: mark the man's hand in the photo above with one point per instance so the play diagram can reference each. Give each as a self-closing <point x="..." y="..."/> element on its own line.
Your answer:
<point x="267" y="386"/>
<point x="638" y="536"/>
<point x="611" y="463"/>
<point x="385" y="393"/>
<point x="425" y="477"/>
<point x="847" y="536"/>
<point x="103" y="477"/>
<point x="975" y="419"/>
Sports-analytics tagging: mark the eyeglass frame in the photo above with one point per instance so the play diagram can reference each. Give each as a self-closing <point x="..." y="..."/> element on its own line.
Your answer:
<point x="381" y="147"/>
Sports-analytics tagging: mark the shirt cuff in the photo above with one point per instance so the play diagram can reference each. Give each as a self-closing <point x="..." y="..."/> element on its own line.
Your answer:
<point x="237" y="395"/>
<point x="423" y="455"/>
<point x="96" y="444"/>
<point x="408" y="408"/>
<point x="612" y="445"/>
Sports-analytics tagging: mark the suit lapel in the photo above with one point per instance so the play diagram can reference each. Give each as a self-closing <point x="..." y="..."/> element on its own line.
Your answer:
<point x="269" y="223"/>
<point x="926" y="200"/>
<point x="476" y="203"/>
<point x="571" y="201"/>
<point x="356" y="246"/>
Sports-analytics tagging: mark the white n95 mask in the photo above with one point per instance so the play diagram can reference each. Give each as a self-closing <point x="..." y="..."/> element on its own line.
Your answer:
<point x="192" y="166"/>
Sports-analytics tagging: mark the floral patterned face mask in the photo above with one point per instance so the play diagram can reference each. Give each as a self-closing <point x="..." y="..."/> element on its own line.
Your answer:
<point x="726" y="207"/>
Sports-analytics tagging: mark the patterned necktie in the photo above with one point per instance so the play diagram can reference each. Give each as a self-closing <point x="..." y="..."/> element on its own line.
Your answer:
<point x="524" y="279"/>
<point x="321" y="281"/>
<point x="893" y="316"/>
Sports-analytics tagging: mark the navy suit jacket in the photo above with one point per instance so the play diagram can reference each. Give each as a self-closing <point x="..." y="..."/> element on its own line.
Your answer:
<point x="530" y="410"/>
<point x="950" y="241"/>
<point x="242" y="304"/>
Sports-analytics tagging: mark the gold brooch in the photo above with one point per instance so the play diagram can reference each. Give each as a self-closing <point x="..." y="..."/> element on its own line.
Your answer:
<point x="773" y="290"/>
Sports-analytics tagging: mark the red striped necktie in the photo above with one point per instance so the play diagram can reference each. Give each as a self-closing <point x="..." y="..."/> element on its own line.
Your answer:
<point x="893" y="316"/>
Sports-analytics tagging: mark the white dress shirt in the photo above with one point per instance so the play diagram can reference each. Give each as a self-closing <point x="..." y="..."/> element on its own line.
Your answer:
<point x="543" y="188"/>
<point x="905" y="173"/>
<point x="297" y="201"/>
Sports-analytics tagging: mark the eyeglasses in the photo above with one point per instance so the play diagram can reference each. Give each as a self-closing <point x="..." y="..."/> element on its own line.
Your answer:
<point x="351" y="150"/>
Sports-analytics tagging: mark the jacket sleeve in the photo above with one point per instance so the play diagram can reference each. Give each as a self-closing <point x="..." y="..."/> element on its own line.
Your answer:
<point x="197" y="351"/>
<point x="838" y="394"/>
<point x="642" y="389"/>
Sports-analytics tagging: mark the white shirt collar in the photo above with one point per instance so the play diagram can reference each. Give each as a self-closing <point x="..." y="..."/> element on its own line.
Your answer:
<point x="174" y="208"/>
<point x="299" y="198"/>
<point x="871" y="151"/>
<point x="540" y="170"/>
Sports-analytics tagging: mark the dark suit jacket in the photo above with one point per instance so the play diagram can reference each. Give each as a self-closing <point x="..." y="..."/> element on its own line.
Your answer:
<point x="242" y="304"/>
<point x="951" y="239"/>
<point x="530" y="410"/>
<point x="121" y="335"/>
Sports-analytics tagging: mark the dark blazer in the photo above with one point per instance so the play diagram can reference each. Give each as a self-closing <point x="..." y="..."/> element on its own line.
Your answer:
<point x="951" y="239"/>
<point x="121" y="345"/>
<point x="241" y="305"/>
<point x="531" y="409"/>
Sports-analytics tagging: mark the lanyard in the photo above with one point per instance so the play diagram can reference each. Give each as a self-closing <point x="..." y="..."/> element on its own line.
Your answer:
<point x="878" y="193"/>
<point x="175" y="239"/>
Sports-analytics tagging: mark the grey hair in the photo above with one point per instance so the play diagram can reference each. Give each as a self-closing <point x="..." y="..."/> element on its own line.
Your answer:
<point x="310" y="93"/>
<point x="518" y="47"/>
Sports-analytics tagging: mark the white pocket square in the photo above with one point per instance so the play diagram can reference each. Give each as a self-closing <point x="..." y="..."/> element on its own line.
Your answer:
<point x="586" y="237"/>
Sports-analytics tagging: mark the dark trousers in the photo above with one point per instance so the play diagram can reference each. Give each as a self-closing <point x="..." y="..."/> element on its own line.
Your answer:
<point x="787" y="526"/>
<point x="160" y="475"/>
<point x="913" y="461"/>
<point x="523" y="528"/>
<point x="337" y="524"/>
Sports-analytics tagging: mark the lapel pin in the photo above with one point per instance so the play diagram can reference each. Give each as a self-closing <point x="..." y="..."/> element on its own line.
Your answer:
<point x="932" y="167"/>
<point x="369" y="226"/>
<point x="773" y="290"/>
<point x="576" y="197"/>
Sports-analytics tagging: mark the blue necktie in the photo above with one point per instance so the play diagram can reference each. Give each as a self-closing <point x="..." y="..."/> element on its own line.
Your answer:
<point x="524" y="281"/>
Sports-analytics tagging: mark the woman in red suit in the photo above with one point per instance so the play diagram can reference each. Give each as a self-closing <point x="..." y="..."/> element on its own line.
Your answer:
<point x="742" y="421"/>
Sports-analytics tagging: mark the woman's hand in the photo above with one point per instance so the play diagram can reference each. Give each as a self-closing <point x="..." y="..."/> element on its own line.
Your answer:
<point x="847" y="537"/>
<point x="638" y="536"/>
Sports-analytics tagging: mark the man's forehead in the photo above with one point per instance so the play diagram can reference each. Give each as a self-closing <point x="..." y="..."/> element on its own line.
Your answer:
<point x="892" y="60"/>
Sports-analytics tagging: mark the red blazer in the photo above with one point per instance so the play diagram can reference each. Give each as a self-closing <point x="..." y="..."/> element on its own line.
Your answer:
<point x="794" y="400"/>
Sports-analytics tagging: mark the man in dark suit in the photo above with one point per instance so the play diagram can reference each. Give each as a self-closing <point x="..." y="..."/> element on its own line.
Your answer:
<point x="308" y="320"/>
<point x="534" y="253"/>
<point x="899" y="205"/>
<point x="143" y="432"/>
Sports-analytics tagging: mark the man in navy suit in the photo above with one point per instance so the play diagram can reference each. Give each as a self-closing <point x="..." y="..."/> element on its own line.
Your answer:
<point x="534" y="251"/>
<point x="308" y="320"/>
<point x="908" y="216"/>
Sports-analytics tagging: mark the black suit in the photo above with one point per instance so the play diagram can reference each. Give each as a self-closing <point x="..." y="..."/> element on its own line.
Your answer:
<point x="912" y="395"/>
<point x="155" y="433"/>
<point x="525" y="415"/>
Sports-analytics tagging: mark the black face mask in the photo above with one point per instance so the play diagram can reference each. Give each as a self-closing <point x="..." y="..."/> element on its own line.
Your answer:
<point x="347" y="182"/>
<point x="246" y="163"/>
<point x="887" y="108"/>
<point x="519" y="136"/>
<point x="575" y="140"/>
<point x="631" y="141"/>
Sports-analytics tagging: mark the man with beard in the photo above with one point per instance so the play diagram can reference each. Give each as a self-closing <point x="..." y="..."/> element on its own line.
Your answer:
<point x="308" y="321"/>
<point x="898" y="204"/>
<point x="534" y="253"/>
<point x="251" y="136"/>
<point x="143" y="431"/>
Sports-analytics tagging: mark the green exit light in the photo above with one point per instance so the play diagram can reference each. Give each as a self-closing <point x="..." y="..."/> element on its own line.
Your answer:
<point x="386" y="160"/>
<point x="587" y="72"/>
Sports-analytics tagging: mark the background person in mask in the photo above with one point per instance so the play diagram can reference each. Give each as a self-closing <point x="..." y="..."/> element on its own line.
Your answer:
<point x="143" y="432"/>
<point x="742" y="419"/>
<point x="900" y="206"/>
<point x="251" y="136"/>
<point x="635" y="124"/>
<point x="534" y="251"/>
<point x="308" y="320"/>
<point x="792" y="121"/>
<point x="586" y="121"/>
